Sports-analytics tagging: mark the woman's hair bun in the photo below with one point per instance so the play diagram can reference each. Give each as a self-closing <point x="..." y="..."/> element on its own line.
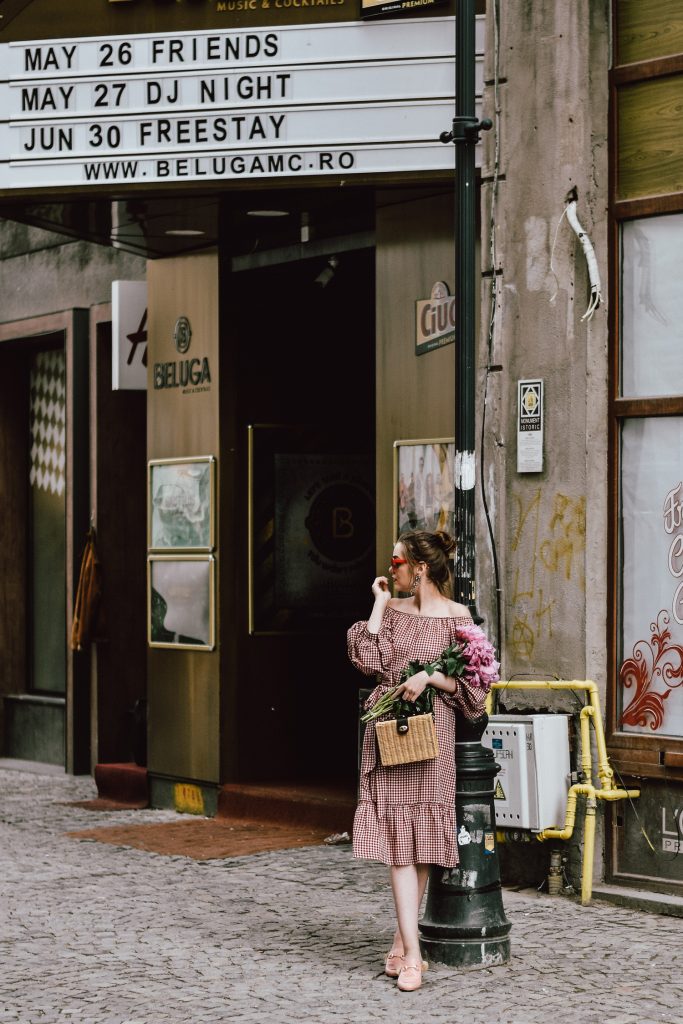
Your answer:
<point x="445" y="541"/>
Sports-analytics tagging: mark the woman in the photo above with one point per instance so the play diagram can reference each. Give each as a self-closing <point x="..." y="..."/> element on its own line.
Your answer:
<point x="406" y="813"/>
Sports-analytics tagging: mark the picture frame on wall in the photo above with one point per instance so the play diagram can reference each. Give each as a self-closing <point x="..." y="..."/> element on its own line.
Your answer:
<point x="181" y="504"/>
<point x="424" y="485"/>
<point x="181" y="601"/>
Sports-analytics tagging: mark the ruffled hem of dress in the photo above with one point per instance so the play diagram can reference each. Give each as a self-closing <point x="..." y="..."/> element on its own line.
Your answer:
<point x="406" y="834"/>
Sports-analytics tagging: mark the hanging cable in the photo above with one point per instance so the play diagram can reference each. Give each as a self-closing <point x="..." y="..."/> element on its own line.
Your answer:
<point x="571" y="201"/>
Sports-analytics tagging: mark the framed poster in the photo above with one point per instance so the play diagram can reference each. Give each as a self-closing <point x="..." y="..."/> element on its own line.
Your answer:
<point x="181" y="601"/>
<point x="424" y="485"/>
<point x="311" y="530"/>
<point x="181" y="504"/>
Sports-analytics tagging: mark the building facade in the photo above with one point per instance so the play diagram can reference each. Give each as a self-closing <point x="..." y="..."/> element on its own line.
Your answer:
<point x="273" y="173"/>
<point x="587" y="550"/>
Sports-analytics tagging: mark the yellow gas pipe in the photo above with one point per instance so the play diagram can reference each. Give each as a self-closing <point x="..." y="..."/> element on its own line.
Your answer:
<point x="607" y="791"/>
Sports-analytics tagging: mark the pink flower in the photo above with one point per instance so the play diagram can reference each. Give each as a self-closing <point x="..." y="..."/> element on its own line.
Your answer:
<point x="481" y="667"/>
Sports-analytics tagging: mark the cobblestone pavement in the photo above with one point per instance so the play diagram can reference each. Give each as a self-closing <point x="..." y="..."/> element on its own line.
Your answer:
<point x="96" y="934"/>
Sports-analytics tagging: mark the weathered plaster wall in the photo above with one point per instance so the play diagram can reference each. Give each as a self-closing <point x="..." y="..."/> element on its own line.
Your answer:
<point x="42" y="272"/>
<point x="552" y="61"/>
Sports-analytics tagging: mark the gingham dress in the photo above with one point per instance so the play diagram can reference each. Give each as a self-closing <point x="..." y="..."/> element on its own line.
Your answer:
<point x="406" y="812"/>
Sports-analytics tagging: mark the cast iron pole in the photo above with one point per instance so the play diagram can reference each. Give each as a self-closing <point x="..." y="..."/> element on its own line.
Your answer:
<point x="464" y="923"/>
<point x="465" y="135"/>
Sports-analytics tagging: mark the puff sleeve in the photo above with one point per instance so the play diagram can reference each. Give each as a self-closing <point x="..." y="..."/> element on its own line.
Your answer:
<point x="470" y="700"/>
<point x="369" y="652"/>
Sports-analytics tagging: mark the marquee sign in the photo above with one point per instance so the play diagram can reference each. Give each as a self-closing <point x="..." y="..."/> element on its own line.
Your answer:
<point x="346" y="98"/>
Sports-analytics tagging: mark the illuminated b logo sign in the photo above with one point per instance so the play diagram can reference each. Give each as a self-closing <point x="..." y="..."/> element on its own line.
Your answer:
<point x="342" y="523"/>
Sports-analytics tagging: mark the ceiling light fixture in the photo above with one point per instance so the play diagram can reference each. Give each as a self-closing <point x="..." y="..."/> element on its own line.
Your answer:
<point x="184" y="232"/>
<point x="328" y="272"/>
<point x="267" y="213"/>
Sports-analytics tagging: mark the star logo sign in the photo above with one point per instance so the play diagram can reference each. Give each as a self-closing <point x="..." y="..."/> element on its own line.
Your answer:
<point x="138" y="337"/>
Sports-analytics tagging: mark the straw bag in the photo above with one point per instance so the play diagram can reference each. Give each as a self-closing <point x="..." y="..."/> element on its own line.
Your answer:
<point x="404" y="740"/>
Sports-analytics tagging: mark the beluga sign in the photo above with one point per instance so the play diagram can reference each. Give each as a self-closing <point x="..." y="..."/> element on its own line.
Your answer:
<point x="191" y="375"/>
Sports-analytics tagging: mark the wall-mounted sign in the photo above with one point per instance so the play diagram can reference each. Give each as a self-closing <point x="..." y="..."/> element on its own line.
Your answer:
<point x="529" y="426"/>
<point x="182" y="334"/>
<point x="323" y="536"/>
<point x="434" y="320"/>
<point x="129" y="335"/>
<point x="347" y="98"/>
<point x="191" y="375"/>
<point x="373" y="8"/>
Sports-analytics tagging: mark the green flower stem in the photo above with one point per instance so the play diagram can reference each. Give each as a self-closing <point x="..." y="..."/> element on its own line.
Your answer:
<point x="450" y="662"/>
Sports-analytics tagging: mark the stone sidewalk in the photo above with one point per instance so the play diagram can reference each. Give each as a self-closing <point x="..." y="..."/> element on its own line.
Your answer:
<point x="97" y="934"/>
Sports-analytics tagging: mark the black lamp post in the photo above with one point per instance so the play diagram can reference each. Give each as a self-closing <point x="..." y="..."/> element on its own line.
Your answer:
<point x="464" y="923"/>
<point x="465" y="135"/>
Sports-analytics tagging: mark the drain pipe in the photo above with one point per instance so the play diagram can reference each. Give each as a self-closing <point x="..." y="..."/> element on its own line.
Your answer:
<point x="555" y="873"/>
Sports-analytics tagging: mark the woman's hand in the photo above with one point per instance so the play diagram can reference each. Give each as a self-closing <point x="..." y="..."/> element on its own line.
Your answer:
<point x="413" y="687"/>
<point x="380" y="589"/>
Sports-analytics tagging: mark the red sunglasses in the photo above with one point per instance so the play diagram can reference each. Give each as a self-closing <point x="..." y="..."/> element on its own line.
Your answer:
<point x="395" y="562"/>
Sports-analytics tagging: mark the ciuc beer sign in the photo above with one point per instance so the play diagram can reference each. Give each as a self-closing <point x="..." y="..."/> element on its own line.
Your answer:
<point x="435" y="320"/>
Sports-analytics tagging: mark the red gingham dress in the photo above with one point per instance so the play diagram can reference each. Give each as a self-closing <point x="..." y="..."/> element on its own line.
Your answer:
<point x="406" y="812"/>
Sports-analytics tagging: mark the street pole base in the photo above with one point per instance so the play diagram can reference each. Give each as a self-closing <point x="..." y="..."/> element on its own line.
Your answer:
<point x="469" y="954"/>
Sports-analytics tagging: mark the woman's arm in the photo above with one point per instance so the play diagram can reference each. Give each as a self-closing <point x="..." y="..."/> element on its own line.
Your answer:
<point x="413" y="687"/>
<point x="369" y="643"/>
<point x="380" y="589"/>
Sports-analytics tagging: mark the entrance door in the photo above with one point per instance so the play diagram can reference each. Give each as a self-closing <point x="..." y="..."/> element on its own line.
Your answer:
<point x="33" y="668"/>
<point x="306" y="350"/>
<point x="44" y="686"/>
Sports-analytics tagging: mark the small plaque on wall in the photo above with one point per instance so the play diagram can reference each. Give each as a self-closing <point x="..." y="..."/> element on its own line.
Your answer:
<point x="529" y="426"/>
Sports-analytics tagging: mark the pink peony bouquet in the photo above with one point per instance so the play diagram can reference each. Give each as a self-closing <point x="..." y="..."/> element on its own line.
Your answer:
<point x="472" y="656"/>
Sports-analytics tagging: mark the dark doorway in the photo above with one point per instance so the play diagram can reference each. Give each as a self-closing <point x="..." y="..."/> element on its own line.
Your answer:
<point x="306" y="333"/>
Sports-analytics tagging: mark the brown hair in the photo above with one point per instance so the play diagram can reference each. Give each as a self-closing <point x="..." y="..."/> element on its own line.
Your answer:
<point x="433" y="549"/>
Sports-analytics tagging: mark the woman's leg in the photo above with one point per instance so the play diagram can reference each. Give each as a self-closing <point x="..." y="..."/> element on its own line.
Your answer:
<point x="408" y="885"/>
<point x="423" y="877"/>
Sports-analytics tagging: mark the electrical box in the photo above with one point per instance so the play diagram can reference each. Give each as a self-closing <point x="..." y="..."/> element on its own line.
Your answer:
<point x="533" y="754"/>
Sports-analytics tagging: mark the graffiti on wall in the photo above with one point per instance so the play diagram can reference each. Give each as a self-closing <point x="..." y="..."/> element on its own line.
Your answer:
<point x="547" y="548"/>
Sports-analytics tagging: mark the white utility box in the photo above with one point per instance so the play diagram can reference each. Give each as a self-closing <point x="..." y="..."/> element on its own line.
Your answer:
<point x="533" y="754"/>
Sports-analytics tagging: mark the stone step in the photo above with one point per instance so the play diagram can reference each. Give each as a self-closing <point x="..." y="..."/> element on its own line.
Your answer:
<point x="124" y="785"/>
<point x="295" y="804"/>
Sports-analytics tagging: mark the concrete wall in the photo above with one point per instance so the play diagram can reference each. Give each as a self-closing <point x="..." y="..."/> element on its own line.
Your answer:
<point x="43" y="272"/>
<point x="552" y="61"/>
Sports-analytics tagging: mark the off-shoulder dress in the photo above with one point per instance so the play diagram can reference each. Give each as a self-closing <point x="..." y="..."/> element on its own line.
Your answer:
<point x="406" y="813"/>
